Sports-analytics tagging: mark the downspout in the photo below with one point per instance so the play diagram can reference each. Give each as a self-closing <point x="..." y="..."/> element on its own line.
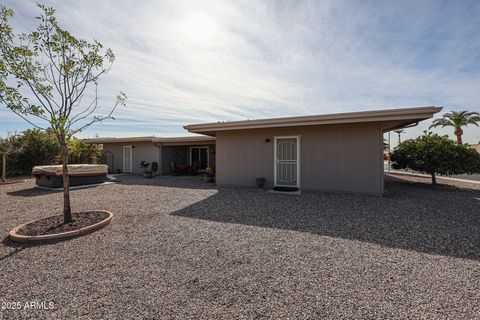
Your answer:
<point x="411" y="125"/>
<point x="405" y="127"/>
<point x="159" y="146"/>
<point x="389" y="153"/>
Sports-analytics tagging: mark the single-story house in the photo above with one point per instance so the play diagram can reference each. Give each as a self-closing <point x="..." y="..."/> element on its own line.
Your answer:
<point x="336" y="152"/>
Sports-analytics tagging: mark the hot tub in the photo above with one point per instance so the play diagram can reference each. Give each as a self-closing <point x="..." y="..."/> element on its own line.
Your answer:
<point x="80" y="174"/>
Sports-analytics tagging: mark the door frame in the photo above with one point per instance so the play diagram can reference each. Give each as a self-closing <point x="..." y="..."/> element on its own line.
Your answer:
<point x="198" y="147"/>
<point x="131" y="158"/>
<point x="298" y="138"/>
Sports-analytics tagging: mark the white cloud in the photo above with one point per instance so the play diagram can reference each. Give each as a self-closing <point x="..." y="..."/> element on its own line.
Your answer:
<point x="189" y="61"/>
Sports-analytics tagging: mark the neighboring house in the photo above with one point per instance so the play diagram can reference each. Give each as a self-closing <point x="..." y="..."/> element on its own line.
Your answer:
<point x="126" y="154"/>
<point x="337" y="152"/>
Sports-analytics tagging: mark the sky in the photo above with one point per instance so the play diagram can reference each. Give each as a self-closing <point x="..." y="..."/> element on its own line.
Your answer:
<point x="184" y="62"/>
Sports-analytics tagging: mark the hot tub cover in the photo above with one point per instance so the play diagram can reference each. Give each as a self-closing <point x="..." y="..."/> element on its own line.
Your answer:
<point x="73" y="170"/>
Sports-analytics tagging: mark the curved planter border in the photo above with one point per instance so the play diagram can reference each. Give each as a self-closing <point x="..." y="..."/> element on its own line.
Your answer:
<point x="60" y="236"/>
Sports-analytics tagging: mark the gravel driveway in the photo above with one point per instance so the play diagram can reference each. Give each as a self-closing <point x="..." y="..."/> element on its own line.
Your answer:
<point x="179" y="248"/>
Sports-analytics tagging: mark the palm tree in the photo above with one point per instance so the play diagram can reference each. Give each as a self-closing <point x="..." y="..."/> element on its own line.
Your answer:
<point x="457" y="119"/>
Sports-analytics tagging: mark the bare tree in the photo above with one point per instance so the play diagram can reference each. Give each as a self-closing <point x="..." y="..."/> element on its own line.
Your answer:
<point x="9" y="145"/>
<point x="55" y="69"/>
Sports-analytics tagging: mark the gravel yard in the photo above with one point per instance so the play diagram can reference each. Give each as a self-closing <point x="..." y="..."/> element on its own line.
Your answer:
<point x="180" y="248"/>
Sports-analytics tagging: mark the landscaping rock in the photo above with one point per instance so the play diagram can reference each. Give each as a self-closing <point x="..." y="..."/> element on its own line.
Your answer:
<point x="181" y="248"/>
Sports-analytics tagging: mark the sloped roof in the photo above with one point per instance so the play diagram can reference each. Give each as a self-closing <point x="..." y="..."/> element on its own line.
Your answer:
<point x="153" y="139"/>
<point x="392" y="118"/>
<point x="115" y="140"/>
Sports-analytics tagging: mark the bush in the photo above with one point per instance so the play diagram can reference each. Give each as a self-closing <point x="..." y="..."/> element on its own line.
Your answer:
<point x="38" y="148"/>
<point x="435" y="155"/>
<point x="41" y="148"/>
<point x="81" y="152"/>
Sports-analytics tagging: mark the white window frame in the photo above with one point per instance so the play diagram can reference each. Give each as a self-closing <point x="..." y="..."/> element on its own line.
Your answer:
<point x="198" y="147"/>
<point x="298" y="137"/>
<point x="131" y="159"/>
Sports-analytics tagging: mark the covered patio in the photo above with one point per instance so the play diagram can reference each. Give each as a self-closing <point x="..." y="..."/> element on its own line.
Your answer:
<point x="167" y="155"/>
<point x="185" y="155"/>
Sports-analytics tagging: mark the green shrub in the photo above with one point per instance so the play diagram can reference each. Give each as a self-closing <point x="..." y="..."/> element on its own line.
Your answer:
<point x="435" y="155"/>
<point x="38" y="148"/>
<point x="41" y="148"/>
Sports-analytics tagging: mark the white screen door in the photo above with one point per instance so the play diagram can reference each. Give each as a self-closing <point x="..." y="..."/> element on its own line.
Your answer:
<point x="127" y="159"/>
<point x="286" y="161"/>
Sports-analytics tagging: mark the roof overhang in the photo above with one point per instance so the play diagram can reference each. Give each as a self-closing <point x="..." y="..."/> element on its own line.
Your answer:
<point x="389" y="119"/>
<point x="118" y="140"/>
<point x="178" y="141"/>
<point x="156" y="140"/>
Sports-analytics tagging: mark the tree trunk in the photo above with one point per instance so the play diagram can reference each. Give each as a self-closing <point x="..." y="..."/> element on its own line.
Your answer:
<point x="459" y="139"/>
<point x="458" y="132"/>
<point x="434" y="179"/>
<point x="4" y="167"/>
<point x="67" y="211"/>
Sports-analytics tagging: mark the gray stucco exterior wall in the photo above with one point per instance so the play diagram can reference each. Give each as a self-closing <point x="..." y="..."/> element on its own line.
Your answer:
<point x="332" y="157"/>
<point x="141" y="151"/>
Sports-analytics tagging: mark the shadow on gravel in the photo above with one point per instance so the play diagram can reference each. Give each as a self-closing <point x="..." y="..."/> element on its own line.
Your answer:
<point x="18" y="247"/>
<point x="417" y="217"/>
<point x="182" y="182"/>
<point x="31" y="192"/>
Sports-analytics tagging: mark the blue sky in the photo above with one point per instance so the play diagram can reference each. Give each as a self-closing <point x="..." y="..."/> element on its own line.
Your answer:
<point x="182" y="62"/>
